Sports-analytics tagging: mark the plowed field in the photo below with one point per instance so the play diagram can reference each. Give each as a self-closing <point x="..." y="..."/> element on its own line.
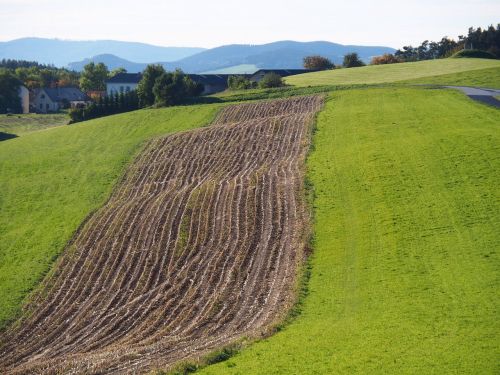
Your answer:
<point x="197" y="246"/>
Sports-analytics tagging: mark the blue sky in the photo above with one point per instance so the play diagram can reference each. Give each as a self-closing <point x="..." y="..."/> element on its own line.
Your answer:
<point x="212" y="23"/>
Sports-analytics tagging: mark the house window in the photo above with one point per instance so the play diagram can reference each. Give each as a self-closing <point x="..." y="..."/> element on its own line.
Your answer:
<point x="42" y="96"/>
<point x="41" y="106"/>
<point x="121" y="88"/>
<point x="127" y="89"/>
<point x="47" y="106"/>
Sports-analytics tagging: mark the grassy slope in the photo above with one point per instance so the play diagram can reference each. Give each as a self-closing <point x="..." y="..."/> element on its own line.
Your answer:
<point x="404" y="271"/>
<point x="390" y="73"/>
<point x="51" y="180"/>
<point x="489" y="78"/>
<point x="22" y="124"/>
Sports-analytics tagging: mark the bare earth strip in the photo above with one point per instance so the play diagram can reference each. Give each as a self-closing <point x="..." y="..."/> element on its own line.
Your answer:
<point x="199" y="245"/>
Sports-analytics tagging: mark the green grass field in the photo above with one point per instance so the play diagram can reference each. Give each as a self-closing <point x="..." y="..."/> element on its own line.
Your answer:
<point x="22" y="124"/>
<point x="374" y="74"/>
<point x="404" y="270"/>
<point x="405" y="266"/>
<point x="489" y="78"/>
<point x="51" y="180"/>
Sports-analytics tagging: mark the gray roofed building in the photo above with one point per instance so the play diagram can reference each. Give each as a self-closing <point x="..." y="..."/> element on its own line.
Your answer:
<point x="123" y="83"/>
<point x="212" y="83"/>
<point x="53" y="99"/>
<point x="71" y="94"/>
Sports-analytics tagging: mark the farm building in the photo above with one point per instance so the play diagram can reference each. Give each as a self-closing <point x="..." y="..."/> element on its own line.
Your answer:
<point x="53" y="99"/>
<point x="212" y="83"/>
<point x="123" y="82"/>
<point x="259" y="74"/>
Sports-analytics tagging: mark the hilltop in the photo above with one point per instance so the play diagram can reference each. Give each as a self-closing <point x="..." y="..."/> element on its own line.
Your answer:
<point x="401" y="182"/>
<point x="374" y="74"/>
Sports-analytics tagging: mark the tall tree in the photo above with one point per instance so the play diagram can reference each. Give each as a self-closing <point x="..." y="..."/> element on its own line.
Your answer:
<point x="173" y="88"/>
<point x="93" y="77"/>
<point x="318" y="63"/>
<point x="145" y="86"/>
<point x="9" y="92"/>
<point x="352" y="60"/>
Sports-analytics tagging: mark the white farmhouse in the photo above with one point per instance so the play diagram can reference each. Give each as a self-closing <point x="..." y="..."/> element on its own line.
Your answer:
<point x="123" y="82"/>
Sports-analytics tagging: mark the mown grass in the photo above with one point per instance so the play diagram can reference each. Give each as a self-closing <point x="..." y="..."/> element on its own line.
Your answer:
<point x="374" y="74"/>
<point x="22" y="124"/>
<point x="51" y="180"/>
<point x="230" y="96"/>
<point x="488" y="78"/>
<point x="405" y="263"/>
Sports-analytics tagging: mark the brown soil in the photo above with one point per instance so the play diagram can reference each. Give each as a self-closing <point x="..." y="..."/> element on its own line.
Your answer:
<point x="198" y="246"/>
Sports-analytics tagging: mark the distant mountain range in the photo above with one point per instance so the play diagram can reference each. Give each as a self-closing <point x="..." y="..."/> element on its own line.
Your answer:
<point x="62" y="52"/>
<point x="277" y="55"/>
<point x="135" y="56"/>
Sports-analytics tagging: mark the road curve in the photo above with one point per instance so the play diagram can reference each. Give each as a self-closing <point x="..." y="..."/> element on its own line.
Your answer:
<point x="483" y="95"/>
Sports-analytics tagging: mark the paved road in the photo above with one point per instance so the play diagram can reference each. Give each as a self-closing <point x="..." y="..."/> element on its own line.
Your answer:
<point x="486" y="96"/>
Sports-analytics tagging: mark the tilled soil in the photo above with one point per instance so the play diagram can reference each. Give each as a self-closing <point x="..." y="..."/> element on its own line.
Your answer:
<point x="198" y="246"/>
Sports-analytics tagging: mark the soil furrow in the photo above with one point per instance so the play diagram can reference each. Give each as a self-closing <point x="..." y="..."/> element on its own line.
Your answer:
<point x="198" y="245"/>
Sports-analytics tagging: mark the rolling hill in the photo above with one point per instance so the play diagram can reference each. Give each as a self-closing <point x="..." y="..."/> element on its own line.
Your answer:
<point x="277" y="55"/>
<point x="239" y="58"/>
<point x="403" y="186"/>
<point x="111" y="61"/>
<point x="405" y="263"/>
<point x="396" y="72"/>
<point x="81" y="163"/>
<point x="62" y="52"/>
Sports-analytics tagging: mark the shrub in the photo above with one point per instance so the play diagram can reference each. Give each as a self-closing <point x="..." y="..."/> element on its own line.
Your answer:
<point x="318" y="63"/>
<point x="239" y="83"/>
<point x="351" y="60"/>
<point x="271" y="80"/>
<point x="469" y="53"/>
<point x="387" y="58"/>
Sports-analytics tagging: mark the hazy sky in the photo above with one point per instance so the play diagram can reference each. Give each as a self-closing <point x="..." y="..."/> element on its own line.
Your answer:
<point x="212" y="23"/>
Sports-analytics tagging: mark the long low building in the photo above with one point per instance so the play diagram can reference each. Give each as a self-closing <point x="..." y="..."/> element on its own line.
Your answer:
<point x="212" y="83"/>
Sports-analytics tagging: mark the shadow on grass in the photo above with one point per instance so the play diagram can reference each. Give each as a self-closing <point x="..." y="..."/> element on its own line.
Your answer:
<point x="6" y="136"/>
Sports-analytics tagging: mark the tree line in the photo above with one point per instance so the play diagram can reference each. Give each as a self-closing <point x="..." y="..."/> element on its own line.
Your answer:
<point x="34" y="75"/>
<point x="486" y="40"/>
<point x="157" y="88"/>
<point x="479" y="42"/>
